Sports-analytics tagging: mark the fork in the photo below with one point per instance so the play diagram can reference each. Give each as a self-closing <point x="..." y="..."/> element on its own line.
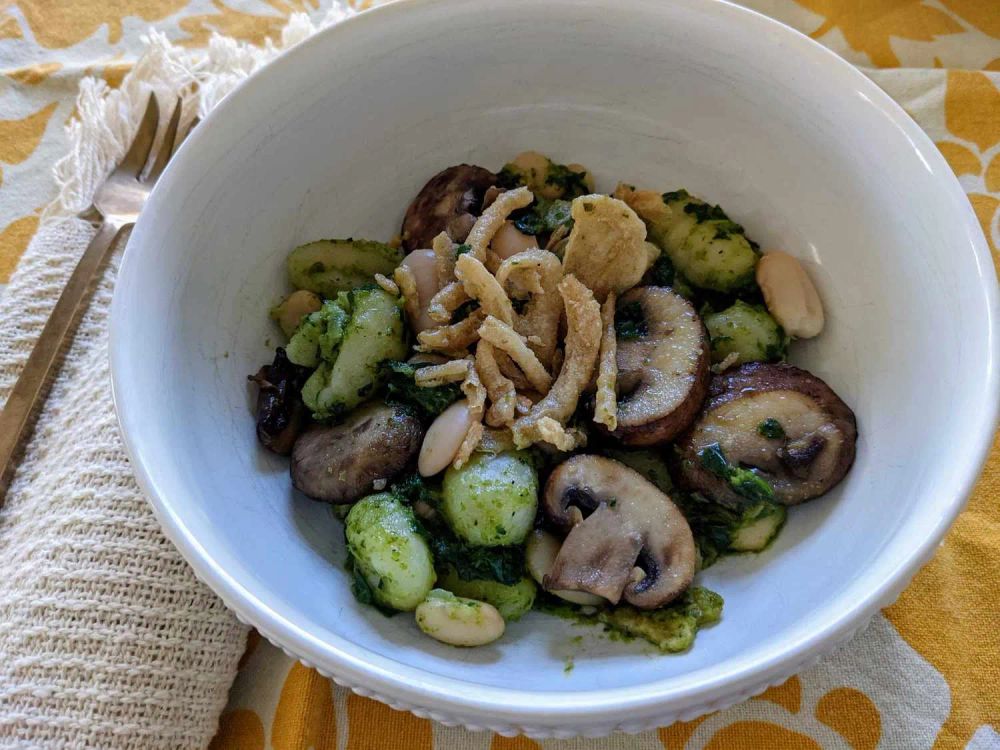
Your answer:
<point x="113" y="212"/>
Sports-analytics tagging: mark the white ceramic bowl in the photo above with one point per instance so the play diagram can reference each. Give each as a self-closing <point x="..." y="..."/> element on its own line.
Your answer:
<point x="335" y="137"/>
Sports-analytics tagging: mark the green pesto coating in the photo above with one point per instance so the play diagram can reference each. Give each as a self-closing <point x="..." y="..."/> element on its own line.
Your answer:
<point x="331" y="266"/>
<point x="510" y="601"/>
<point x="670" y="629"/>
<point x="389" y="551"/>
<point x="747" y="331"/>
<point x="491" y="501"/>
<point x="709" y="250"/>
<point x="374" y="334"/>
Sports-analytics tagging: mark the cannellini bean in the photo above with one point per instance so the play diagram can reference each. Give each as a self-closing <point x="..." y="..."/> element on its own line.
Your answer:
<point x="294" y="307"/>
<point x="539" y="554"/>
<point x="790" y="295"/>
<point x="444" y="437"/>
<point x="510" y="241"/>
<point x="458" y="621"/>
<point x="423" y="266"/>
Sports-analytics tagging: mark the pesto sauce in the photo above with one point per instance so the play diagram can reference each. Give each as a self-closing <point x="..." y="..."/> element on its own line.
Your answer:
<point x="670" y="630"/>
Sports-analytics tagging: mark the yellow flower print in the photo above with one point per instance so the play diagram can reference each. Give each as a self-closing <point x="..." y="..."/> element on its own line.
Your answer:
<point x="954" y="626"/>
<point x="247" y="27"/>
<point x="9" y="27"/>
<point x="762" y="734"/>
<point x="14" y="239"/>
<point x="972" y="116"/>
<point x="852" y="715"/>
<point x="305" y="718"/>
<point x="983" y="14"/>
<point x="63" y="24"/>
<point x="513" y="743"/>
<point x="19" y="138"/>
<point x="788" y="695"/>
<point x="375" y="726"/>
<point x="35" y="74"/>
<point x="867" y="25"/>
<point x="847" y="711"/>
<point x="239" y="730"/>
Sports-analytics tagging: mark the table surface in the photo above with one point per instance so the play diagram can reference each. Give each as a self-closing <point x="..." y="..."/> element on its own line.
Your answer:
<point x="926" y="673"/>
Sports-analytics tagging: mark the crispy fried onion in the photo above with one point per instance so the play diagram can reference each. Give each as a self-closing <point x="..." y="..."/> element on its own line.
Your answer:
<point x="473" y="388"/>
<point x="557" y="236"/>
<point x="505" y="338"/>
<point x="491" y="195"/>
<point x="444" y="259"/>
<point x="606" y="402"/>
<point x="537" y="272"/>
<point x="496" y="440"/>
<point x="407" y="284"/>
<point x="453" y="371"/>
<point x="511" y="371"/>
<point x="547" y="419"/>
<point x="557" y="363"/>
<point x="503" y="396"/>
<point x="606" y="249"/>
<point x="387" y="284"/>
<point x="524" y="404"/>
<point x="492" y="219"/>
<point x="469" y="444"/>
<point x="648" y="204"/>
<point x="448" y="299"/>
<point x="452" y="338"/>
<point x="480" y="284"/>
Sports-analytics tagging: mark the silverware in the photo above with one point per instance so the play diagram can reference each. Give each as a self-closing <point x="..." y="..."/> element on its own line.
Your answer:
<point x="114" y="210"/>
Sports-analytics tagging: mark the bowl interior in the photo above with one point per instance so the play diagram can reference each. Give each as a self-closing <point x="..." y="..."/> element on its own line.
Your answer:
<point x="334" y="139"/>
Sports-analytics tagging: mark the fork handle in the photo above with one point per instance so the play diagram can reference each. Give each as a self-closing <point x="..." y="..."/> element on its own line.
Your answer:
<point x="24" y="403"/>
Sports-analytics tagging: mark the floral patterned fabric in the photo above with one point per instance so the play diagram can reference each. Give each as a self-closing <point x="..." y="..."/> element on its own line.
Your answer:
<point x="925" y="674"/>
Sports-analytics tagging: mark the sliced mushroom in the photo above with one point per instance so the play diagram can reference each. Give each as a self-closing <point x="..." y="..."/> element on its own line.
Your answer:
<point x="280" y="411"/>
<point x="447" y="203"/>
<point x="341" y="464"/>
<point x="539" y="554"/>
<point x="663" y="366"/>
<point x="625" y="539"/>
<point x="775" y="418"/>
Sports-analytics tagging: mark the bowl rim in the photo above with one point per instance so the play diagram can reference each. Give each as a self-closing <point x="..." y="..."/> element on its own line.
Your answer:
<point x="547" y="713"/>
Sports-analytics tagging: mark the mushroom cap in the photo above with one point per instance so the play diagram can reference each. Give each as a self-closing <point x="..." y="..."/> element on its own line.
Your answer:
<point x="447" y="203"/>
<point x="280" y="412"/>
<point x="662" y="375"/>
<point x="616" y="520"/>
<point x="341" y="463"/>
<point x="813" y="451"/>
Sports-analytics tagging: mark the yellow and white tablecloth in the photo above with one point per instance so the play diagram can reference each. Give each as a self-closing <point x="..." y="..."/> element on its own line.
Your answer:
<point x="926" y="673"/>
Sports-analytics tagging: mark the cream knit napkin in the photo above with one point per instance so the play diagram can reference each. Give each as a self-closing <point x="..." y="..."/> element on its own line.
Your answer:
<point x="107" y="639"/>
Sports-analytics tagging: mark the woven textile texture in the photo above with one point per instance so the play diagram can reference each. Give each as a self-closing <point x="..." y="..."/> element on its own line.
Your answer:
<point x="106" y="638"/>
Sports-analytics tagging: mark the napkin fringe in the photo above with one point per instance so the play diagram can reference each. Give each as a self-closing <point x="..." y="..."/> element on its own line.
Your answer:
<point x="106" y="118"/>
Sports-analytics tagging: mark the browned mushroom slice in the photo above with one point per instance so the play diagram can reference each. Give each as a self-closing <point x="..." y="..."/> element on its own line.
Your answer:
<point x="782" y="421"/>
<point x="663" y="365"/>
<point x="280" y="412"/>
<point x="447" y="203"/>
<point x="625" y="539"/>
<point x="343" y="463"/>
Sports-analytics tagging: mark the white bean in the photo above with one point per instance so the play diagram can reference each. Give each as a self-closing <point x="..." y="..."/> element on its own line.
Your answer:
<point x="444" y="437"/>
<point x="790" y="295"/>
<point x="422" y="263"/>
<point x="510" y="241"/>
<point x="295" y="307"/>
<point x="539" y="554"/>
<point x="458" y="621"/>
